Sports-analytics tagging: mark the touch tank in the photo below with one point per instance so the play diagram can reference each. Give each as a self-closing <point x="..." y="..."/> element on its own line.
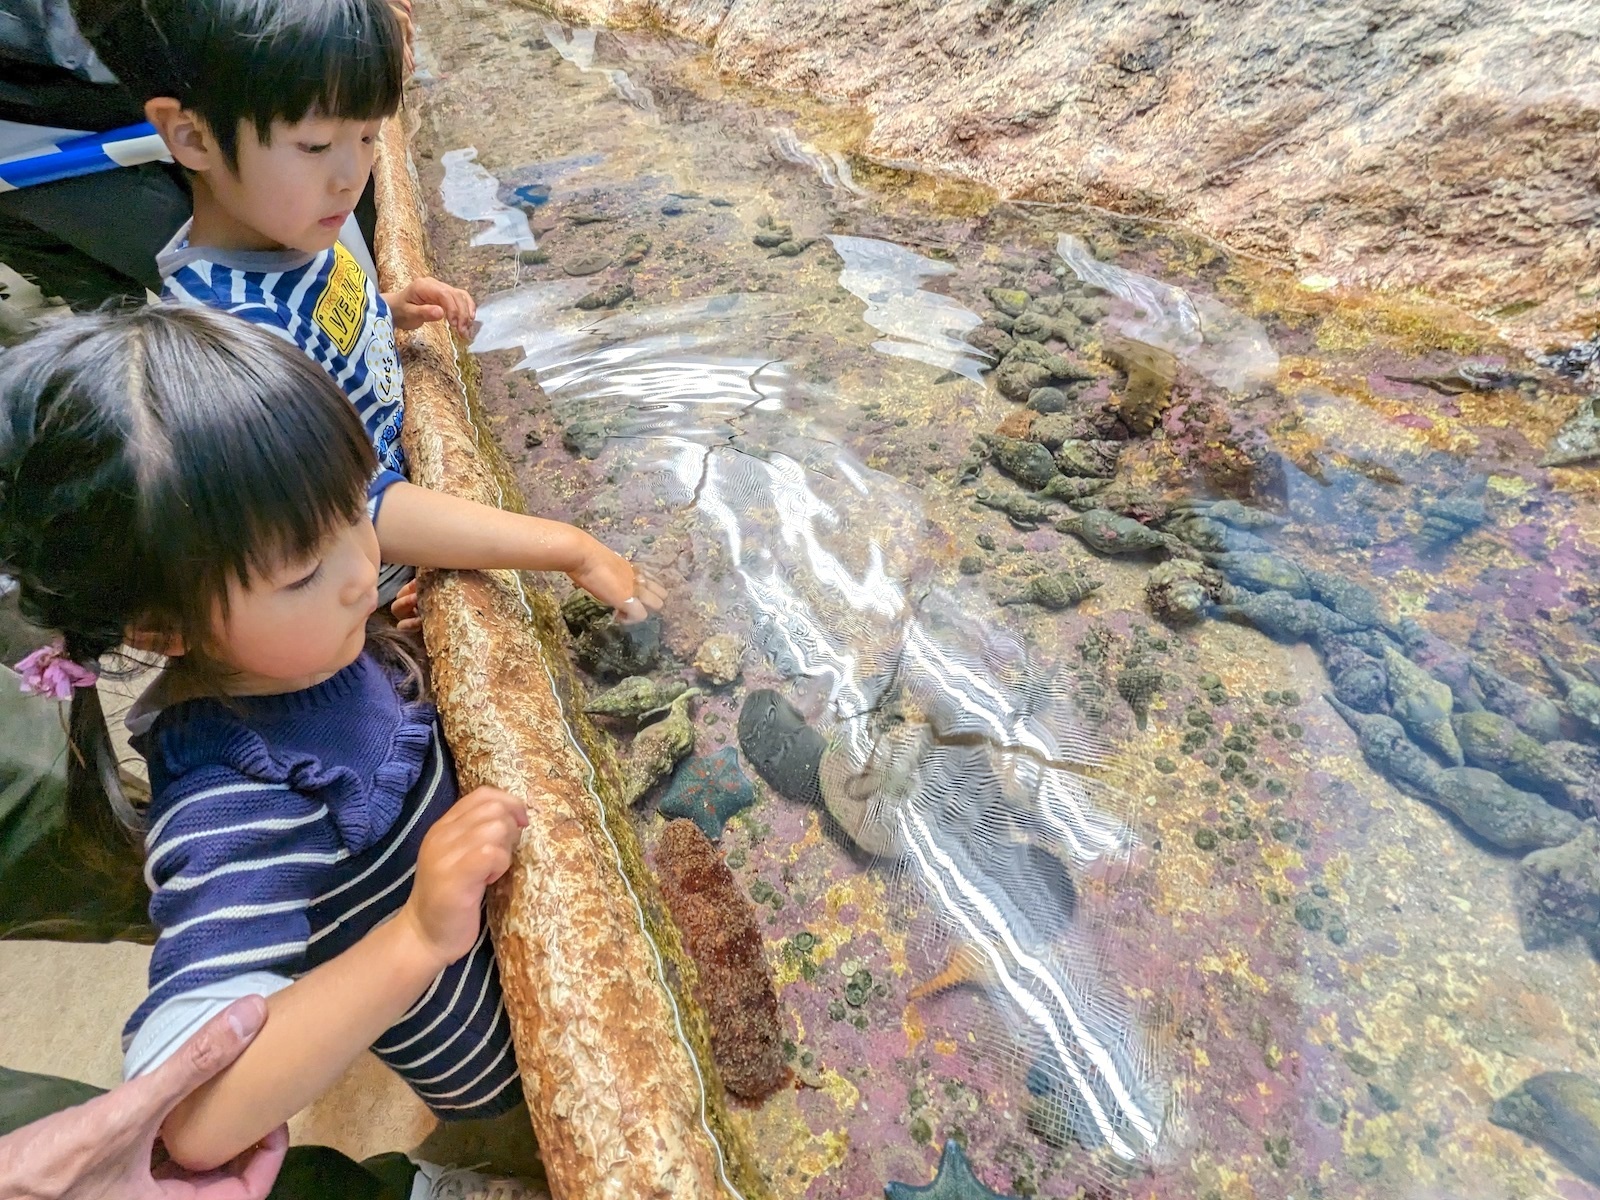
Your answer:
<point x="1146" y="708"/>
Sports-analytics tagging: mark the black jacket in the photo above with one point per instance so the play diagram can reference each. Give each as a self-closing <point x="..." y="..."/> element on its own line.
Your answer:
<point x="49" y="74"/>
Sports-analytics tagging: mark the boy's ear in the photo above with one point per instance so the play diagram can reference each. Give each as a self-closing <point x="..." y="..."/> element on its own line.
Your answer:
<point x="186" y="135"/>
<point x="169" y="644"/>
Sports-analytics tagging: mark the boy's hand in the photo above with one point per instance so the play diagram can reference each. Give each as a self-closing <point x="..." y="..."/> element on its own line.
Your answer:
<point x="467" y="850"/>
<point x="406" y="609"/>
<point x="423" y="300"/>
<point x="611" y="579"/>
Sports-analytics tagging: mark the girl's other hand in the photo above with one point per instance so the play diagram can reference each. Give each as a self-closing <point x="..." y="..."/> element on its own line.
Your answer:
<point x="611" y="579"/>
<point x="467" y="850"/>
<point x="406" y="609"/>
<point x="426" y="299"/>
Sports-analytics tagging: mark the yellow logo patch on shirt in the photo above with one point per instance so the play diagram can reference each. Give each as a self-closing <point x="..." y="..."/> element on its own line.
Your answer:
<point x="342" y="306"/>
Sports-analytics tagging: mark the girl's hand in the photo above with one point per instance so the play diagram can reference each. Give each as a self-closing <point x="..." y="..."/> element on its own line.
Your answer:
<point x="426" y="299"/>
<point x="611" y="579"/>
<point x="406" y="609"/>
<point x="467" y="850"/>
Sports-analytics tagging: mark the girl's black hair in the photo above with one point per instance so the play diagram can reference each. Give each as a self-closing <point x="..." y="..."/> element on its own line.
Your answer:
<point x="148" y="459"/>
<point x="254" y="60"/>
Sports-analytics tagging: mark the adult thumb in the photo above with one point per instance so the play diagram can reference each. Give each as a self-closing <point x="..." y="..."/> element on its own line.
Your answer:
<point x="213" y="1049"/>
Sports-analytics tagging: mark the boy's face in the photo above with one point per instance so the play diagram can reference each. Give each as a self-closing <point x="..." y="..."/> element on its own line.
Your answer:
<point x="295" y="191"/>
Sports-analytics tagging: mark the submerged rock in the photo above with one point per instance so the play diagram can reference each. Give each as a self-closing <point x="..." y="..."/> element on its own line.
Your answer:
<point x="783" y="749"/>
<point x="1536" y="715"/>
<point x="1560" y="1111"/>
<point x="657" y="749"/>
<point x="1578" y="441"/>
<point x="1422" y="704"/>
<point x="614" y="650"/>
<point x="1558" y="892"/>
<point x="719" y="659"/>
<point x="634" y="697"/>
<point x="1500" y="813"/>
<point x="1583" y="696"/>
<point x="1056" y="590"/>
<point x="1180" y="591"/>
<point x="733" y="984"/>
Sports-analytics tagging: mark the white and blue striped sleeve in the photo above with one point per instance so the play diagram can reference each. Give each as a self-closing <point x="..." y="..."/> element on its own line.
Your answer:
<point x="233" y="864"/>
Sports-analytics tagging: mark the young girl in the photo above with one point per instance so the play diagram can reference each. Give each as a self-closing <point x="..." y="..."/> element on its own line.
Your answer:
<point x="188" y="484"/>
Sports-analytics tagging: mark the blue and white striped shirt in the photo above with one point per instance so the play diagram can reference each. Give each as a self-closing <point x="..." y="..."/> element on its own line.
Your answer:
<point x="283" y="829"/>
<point x="327" y="304"/>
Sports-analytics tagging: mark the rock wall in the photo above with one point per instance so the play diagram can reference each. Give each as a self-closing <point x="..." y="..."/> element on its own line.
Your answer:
<point x="1451" y="146"/>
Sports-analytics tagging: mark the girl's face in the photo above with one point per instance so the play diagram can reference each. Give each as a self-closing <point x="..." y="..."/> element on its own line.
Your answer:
<point x="294" y="627"/>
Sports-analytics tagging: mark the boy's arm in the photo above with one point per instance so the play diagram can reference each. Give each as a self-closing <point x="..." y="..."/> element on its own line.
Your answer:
<point x="423" y="528"/>
<point x="318" y="1025"/>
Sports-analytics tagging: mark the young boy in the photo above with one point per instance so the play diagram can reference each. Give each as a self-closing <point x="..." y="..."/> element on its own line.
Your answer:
<point x="273" y="108"/>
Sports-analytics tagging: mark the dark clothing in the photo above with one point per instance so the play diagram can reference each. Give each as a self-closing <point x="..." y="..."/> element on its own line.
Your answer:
<point x="309" y="1172"/>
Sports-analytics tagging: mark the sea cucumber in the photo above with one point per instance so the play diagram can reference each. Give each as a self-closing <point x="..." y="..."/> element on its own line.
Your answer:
<point x="735" y="989"/>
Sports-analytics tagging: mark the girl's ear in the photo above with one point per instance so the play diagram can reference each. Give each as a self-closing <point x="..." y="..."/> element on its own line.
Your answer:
<point x="171" y="645"/>
<point x="186" y="135"/>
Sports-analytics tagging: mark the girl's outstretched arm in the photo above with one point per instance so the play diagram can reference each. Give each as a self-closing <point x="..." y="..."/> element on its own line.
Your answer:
<point x="423" y="528"/>
<point x="319" y="1024"/>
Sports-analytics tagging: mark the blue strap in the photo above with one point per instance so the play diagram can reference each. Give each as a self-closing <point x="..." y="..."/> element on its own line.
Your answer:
<point x="127" y="147"/>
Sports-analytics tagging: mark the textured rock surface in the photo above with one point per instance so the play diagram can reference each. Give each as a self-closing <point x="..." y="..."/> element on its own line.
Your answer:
<point x="1447" y="144"/>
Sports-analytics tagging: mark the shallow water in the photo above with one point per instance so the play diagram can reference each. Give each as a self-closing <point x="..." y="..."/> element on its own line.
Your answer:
<point x="1217" y="956"/>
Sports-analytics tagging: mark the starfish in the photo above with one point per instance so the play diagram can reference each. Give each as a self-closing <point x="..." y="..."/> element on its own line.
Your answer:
<point x="708" y="791"/>
<point x="954" y="1181"/>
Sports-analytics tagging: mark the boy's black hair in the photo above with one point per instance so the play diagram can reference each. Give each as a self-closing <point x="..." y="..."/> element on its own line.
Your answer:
<point x="253" y="60"/>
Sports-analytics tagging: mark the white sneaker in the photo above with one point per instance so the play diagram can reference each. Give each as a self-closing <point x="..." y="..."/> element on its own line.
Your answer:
<point x="434" y="1182"/>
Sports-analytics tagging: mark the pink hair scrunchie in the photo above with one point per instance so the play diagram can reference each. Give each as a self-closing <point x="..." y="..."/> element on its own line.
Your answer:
<point x="49" y="672"/>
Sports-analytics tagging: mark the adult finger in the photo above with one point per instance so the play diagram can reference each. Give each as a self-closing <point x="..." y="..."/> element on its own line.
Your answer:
<point x="208" y="1053"/>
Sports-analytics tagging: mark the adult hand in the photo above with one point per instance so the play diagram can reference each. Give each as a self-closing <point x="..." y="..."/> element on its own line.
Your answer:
<point x="107" y="1149"/>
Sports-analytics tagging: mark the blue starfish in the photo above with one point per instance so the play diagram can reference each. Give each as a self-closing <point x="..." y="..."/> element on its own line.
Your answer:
<point x="709" y="790"/>
<point x="954" y="1181"/>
